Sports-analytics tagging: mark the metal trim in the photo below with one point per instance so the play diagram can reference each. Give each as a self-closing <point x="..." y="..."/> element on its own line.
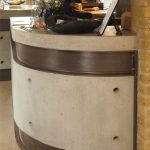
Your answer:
<point x="4" y="25"/>
<point x="74" y="62"/>
<point x="5" y="74"/>
<point x="135" y="109"/>
<point x="26" y="142"/>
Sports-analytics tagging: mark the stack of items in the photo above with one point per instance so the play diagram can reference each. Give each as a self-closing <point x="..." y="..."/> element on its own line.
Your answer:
<point x="87" y="5"/>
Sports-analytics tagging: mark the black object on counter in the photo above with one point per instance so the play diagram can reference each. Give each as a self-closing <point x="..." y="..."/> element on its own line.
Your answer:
<point x="71" y="25"/>
<point x="66" y="20"/>
<point x="72" y="21"/>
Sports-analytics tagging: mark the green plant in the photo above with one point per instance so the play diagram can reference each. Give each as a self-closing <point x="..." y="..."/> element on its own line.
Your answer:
<point x="50" y="4"/>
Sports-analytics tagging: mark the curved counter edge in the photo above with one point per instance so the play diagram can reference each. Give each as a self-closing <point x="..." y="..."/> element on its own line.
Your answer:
<point x="83" y="42"/>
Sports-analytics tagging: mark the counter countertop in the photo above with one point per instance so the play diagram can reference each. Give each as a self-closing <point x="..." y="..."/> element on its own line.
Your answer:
<point x="80" y="42"/>
<point x="12" y="11"/>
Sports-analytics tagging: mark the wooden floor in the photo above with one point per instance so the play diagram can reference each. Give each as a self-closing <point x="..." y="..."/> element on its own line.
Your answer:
<point x="7" y="139"/>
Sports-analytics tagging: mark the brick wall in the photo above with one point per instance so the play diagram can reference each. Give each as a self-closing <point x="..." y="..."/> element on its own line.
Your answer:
<point x="141" y="25"/>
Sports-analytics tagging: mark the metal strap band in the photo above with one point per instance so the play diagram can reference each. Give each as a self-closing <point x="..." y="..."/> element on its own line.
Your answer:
<point x="26" y="142"/>
<point x="5" y="74"/>
<point x="4" y="25"/>
<point x="76" y="62"/>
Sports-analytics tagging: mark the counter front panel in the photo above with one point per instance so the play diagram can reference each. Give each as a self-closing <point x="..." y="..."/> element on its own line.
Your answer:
<point x="72" y="112"/>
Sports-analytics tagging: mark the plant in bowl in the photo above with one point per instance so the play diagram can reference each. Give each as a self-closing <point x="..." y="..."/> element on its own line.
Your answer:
<point x="48" y="7"/>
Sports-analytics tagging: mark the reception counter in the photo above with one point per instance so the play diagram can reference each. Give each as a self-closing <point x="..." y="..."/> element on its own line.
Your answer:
<point x="73" y="92"/>
<point x="5" y="14"/>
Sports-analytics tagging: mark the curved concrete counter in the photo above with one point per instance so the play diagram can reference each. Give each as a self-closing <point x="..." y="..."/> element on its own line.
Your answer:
<point x="5" y="15"/>
<point x="73" y="92"/>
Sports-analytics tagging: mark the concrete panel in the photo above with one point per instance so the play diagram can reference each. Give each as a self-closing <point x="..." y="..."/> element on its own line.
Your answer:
<point x="74" y="112"/>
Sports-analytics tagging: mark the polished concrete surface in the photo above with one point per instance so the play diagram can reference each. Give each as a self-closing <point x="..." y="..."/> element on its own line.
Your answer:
<point x="7" y="138"/>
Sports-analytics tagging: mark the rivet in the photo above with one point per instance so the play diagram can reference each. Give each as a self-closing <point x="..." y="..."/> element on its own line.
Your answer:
<point x="116" y="138"/>
<point x="30" y="123"/>
<point x="1" y="61"/>
<point x="29" y="80"/>
<point x="116" y="89"/>
<point x="1" y="37"/>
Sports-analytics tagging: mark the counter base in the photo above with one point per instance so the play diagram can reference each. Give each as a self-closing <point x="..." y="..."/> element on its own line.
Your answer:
<point x="26" y="142"/>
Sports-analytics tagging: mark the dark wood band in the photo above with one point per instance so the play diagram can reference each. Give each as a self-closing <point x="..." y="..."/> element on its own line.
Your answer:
<point x="5" y="74"/>
<point x="26" y="142"/>
<point x="4" y="25"/>
<point x="75" y="62"/>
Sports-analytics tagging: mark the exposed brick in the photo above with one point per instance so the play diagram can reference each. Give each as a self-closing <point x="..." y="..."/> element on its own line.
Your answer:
<point x="134" y="3"/>
<point x="147" y="113"/>
<point x="144" y="89"/>
<point x="145" y="44"/>
<point x="143" y="3"/>
<point x="145" y="78"/>
<point x="141" y="26"/>
<point x="143" y="121"/>
<point x="135" y="10"/>
<point x="144" y="33"/>
<point x="144" y="133"/>
<point x="143" y="144"/>
<point x="140" y="143"/>
<point x="146" y="144"/>
<point x="144" y="11"/>
<point x="144" y="100"/>
<point x="144" y="67"/>
<point x="143" y="22"/>
<point x="144" y="111"/>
